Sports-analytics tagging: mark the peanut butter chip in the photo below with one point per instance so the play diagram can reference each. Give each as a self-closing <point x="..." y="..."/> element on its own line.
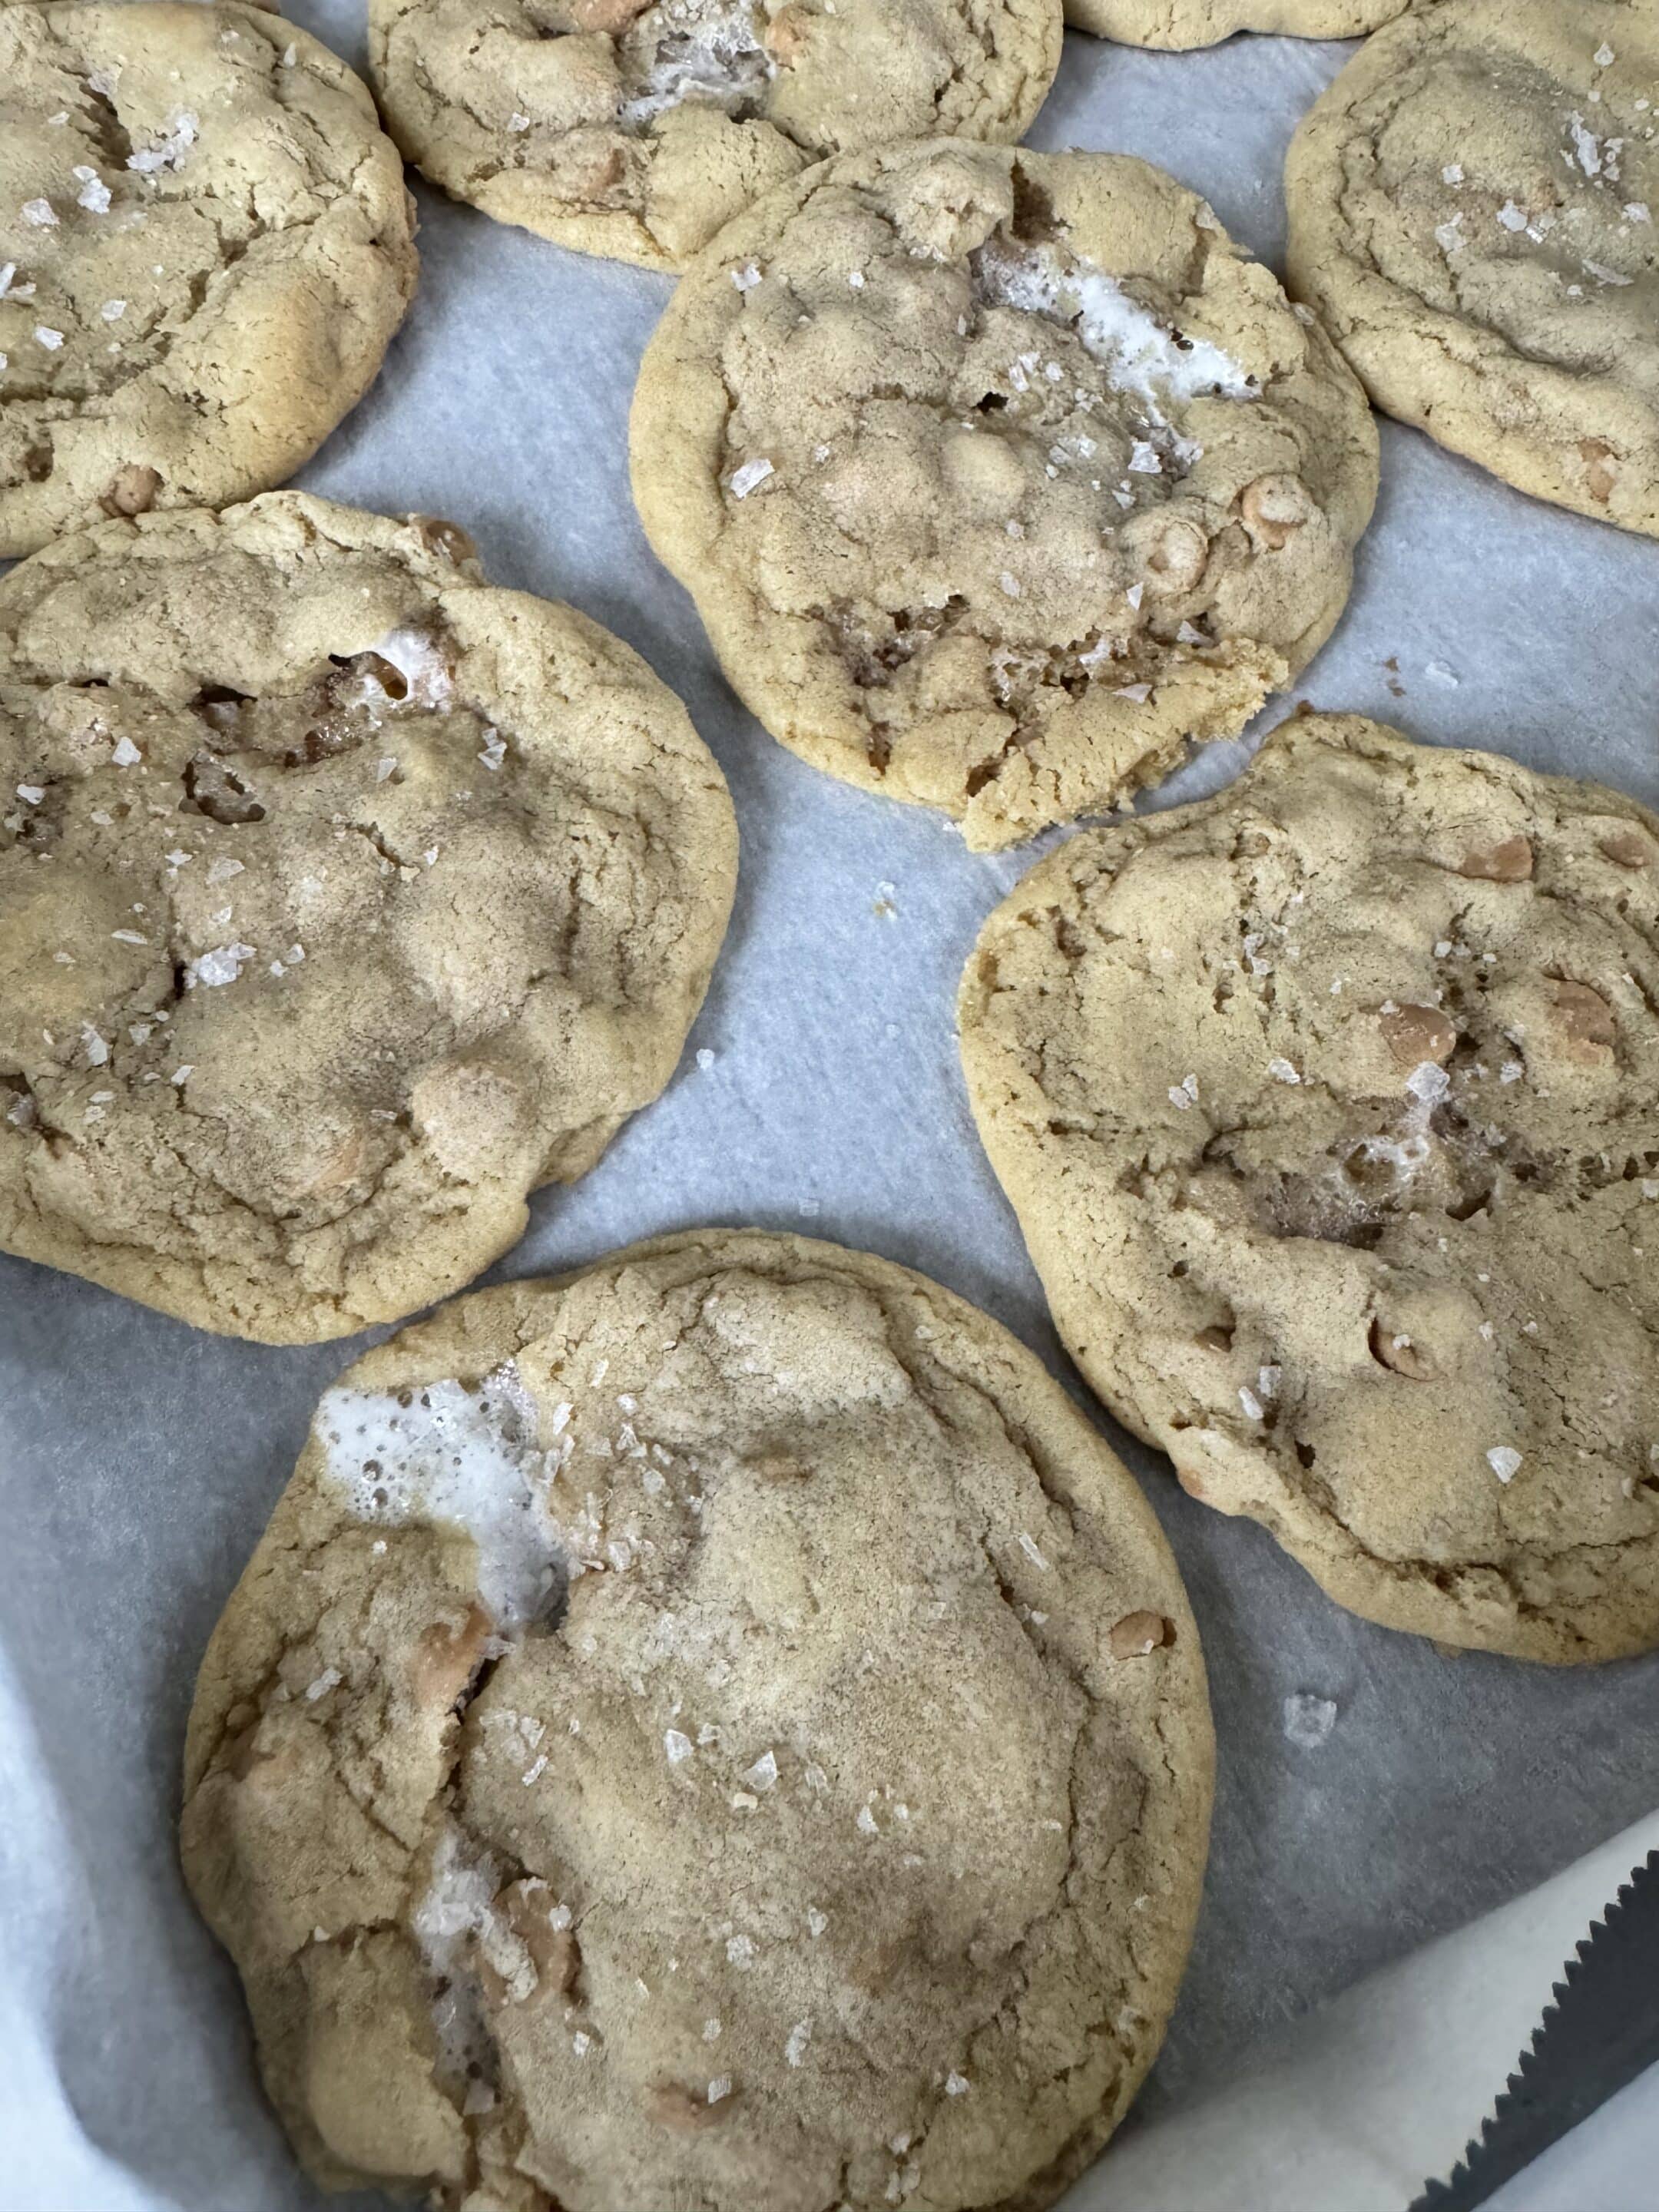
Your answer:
<point x="786" y="32"/>
<point x="1414" y="1034"/>
<point x="446" y="1657"/>
<point x="1138" y="1633"/>
<point x="1508" y="863"/>
<point x="1626" y="849"/>
<point x="1586" y="1020"/>
<point x="1274" y="509"/>
<point x="130" y="490"/>
<point x="1601" y="468"/>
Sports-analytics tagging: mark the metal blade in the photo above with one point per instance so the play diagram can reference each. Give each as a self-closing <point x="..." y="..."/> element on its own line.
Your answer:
<point x="1601" y="2031"/>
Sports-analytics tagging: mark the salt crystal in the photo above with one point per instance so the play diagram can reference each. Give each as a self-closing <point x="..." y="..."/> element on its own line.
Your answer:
<point x="1282" y="1072"/>
<point x="40" y="213"/>
<point x="956" y="2085"/>
<point x="223" y="964"/>
<point x="1308" y="1720"/>
<point x="794" y="2050"/>
<point x="764" y="1773"/>
<point x="745" y="477"/>
<point x="1504" y="1461"/>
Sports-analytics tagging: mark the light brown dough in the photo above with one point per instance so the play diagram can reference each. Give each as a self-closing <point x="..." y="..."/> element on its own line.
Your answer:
<point x="1472" y="210"/>
<point x="997" y="477"/>
<point x="719" y="1730"/>
<point x="344" y="899"/>
<point x="1330" y="1111"/>
<point x="1186" y="23"/>
<point x="205" y="246"/>
<point x="637" y="131"/>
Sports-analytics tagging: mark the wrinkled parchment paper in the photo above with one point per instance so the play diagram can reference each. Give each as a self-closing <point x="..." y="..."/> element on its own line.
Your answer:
<point x="139" y="1459"/>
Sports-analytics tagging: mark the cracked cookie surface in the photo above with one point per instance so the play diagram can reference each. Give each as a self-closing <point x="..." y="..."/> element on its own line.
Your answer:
<point x="205" y="246"/>
<point x="344" y="901"/>
<point x="638" y="129"/>
<point x="721" y="1730"/>
<point x="1330" y="1111"/>
<point x="997" y="477"/>
<point x="1472" y="210"/>
<point x="1186" y="23"/>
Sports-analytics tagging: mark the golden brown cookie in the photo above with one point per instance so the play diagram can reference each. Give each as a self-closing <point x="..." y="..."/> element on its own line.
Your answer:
<point x="205" y="246"/>
<point x="636" y="130"/>
<point x="997" y="477"/>
<point x="1330" y="1111"/>
<point x="344" y="901"/>
<point x="1186" y="23"/>
<point x="1472" y="212"/>
<point x="721" y="1729"/>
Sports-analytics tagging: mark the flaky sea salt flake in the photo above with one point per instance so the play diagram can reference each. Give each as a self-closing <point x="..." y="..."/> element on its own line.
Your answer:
<point x="745" y="477"/>
<point x="1309" y="1719"/>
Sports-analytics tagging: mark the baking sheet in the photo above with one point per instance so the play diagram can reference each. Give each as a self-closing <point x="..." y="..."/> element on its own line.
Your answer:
<point x="139" y="1459"/>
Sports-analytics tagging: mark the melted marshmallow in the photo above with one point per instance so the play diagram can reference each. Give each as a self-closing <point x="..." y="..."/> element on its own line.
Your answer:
<point x="1138" y="353"/>
<point x="455" y="1454"/>
<point x="706" y="49"/>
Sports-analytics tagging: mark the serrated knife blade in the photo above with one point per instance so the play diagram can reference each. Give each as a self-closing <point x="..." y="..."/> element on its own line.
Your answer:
<point x="1600" y="2032"/>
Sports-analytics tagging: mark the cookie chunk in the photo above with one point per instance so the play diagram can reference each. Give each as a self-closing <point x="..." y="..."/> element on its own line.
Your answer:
<point x="1472" y="211"/>
<point x="344" y="899"/>
<point x="1186" y="23"/>
<point x="635" y="129"/>
<point x="997" y="477"/>
<point x="1330" y="1111"/>
<point x="205" y="246"/>
<point x="721" y="1729"/>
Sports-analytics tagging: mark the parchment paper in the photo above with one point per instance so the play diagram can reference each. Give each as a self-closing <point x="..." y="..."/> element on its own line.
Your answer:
<point x="139" y="1459"/>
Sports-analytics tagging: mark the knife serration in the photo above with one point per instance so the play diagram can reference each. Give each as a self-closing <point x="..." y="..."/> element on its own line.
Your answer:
<point x="1600" y="2032"/>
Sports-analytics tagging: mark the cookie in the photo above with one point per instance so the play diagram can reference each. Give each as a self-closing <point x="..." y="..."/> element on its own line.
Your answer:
<point x="1186" y="23"/>
<point x="721" y="1729"/>
<point x="1330" y="1111"/>
<point x="637" y="131"/>
<point x="344" y="901"/>
<point x="1472" y="212"/>
<point x="205" y="246"/>
<point x="996" y="477"/>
